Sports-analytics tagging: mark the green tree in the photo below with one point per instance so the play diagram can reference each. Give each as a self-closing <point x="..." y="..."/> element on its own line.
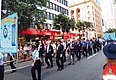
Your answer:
<point x="63" y="22"/>
<point x="79" y="25"/>
<point x="30" y="12"/>
<point x="110" y="30"/>
<point x="72" y="24"/>
<point x="87" y="25"/>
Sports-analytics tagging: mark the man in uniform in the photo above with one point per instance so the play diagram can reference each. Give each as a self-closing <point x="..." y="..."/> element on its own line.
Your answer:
<point x="2" y="66"/>
<point x="36" y="65"/>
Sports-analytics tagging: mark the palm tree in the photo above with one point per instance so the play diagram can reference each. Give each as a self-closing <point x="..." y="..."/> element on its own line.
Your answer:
<point x="79" y="25"/>
<point x="87" y="25"/>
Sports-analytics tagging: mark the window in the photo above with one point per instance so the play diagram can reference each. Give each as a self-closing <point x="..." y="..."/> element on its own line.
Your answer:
<point x="88" y="18"/>
<point x="87" y="7"/>
<point x="88" y="12"/>
<point x="58" y="8"/>
<point x="47" y="4"/>
<point x="60" y="1"/>
<point x="49" y="16"/>
<point x="54" y="6"/>
<point x="66" y="3"/>
<point x="51" y="5"/>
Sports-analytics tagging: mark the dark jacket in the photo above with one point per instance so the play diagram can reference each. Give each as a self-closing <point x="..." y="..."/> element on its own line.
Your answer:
<point x="59" y="51"/>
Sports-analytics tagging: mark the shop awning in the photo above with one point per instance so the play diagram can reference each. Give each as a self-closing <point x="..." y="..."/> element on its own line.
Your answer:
<point x="50" y="32"/>
<point x="31" y="31"/>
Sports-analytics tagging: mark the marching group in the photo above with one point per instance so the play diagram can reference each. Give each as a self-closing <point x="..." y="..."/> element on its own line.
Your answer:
<point x="58" y="50"/>
<point x="47" y="52"/>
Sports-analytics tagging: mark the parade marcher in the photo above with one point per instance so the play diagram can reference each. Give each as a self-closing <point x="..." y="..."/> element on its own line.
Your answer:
<point x="109" y="69"/>
<point x="84" y="48"/>
<point x="36" y="65"/>
<point x="59" y="56"/>
<point x="89" y="45"/>
<point x="48" y="55"/>
<point x="97" y="44"/>
<point x="64" y="51"/>
<point x="2" y="61"/>
<point x="76" y="49"/>
<point x="104" y="42"/>
<point x="71" y="53"/>
<point x="94" y="45"/>
<point x="41" y="51"/>
<point x="12" y="62"/>
<point x="54" y="49"/>
<point x="80" y="47"/>
<point x="100" y="42"/>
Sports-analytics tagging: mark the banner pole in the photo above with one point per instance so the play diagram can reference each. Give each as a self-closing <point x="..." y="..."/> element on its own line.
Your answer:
<point x="17" y="39"/>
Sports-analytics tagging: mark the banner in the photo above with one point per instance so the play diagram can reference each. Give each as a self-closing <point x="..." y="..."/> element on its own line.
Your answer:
<point x="8" y="34"/>
<point x="108" y="36"/>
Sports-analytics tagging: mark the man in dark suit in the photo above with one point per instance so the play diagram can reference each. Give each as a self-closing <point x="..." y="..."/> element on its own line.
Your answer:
<point x="48" y="55"/>
<point x="76" y="49"/>
<point x="59" y="56"/>
<point x="41" y="51"/>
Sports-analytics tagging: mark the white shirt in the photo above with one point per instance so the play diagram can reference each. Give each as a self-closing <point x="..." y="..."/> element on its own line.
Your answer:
<point x="1" y="59"/>
<point x="48" y="48"/>
<point x="54" y="47"/>
<point x="35" y="54"/>
<point x="64" y="44"/>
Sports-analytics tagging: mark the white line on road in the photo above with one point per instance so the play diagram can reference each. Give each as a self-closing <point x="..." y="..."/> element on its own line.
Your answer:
<point x="17" y="68"/>
<point x="92" y="56"/>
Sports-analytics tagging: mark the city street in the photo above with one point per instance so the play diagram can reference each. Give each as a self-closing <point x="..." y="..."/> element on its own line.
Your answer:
<point x="87" y="69"/>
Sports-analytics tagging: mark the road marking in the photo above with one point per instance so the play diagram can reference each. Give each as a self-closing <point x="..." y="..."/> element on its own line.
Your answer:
<point x="17" y="68"/>
<point x="92" y="56"/>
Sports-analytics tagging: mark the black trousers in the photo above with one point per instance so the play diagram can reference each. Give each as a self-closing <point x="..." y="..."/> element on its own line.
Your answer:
<point x="64" y="55"/>
<point x="89" y="50"/>
<point x="94" y="48"/>
<point x="37" y="67"/>
<point x="48" y="57"/>
<point x="1" y="72"/>
<point x="60" y="62"/>
<point x="11" y="63"/>
<point x="78" y="54"/>
<point x="84" y="52"/>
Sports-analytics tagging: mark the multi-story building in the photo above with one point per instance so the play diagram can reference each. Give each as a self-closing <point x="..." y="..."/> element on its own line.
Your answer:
<point x="55" y="7"/>
<point x="88" y="10"/>
<point x="109" y="14"/>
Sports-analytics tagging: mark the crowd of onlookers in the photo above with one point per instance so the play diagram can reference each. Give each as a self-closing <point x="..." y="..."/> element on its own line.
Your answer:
<point x="62" y="50"/>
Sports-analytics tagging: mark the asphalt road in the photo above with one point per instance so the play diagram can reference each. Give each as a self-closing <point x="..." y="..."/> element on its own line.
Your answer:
<point x="87" y="69"/>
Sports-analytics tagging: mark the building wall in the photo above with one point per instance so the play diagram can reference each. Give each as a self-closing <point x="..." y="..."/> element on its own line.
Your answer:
<point x="88" y="10"/>
<point x="55" y="7"/>
<point x="109" y="14"/>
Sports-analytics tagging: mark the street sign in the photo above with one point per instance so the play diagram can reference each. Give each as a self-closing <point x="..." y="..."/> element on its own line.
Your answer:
<point x="8" y="34"/>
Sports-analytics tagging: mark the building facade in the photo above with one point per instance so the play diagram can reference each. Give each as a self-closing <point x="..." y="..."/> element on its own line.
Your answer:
<point x="88" y="10"/>
<point x="55" y="7"/>
<point x="109" y="14"/>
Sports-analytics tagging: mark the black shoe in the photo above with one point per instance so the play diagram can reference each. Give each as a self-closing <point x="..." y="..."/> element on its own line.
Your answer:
<point x="51" y="66"/>
<point x="73" y="63"/>
<point x="69" y="63"/>
<point x="58" y="69"/>
<point x="61" y="68"/>
<point x="47" y="67"/>
<point x="13" y="71"/>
